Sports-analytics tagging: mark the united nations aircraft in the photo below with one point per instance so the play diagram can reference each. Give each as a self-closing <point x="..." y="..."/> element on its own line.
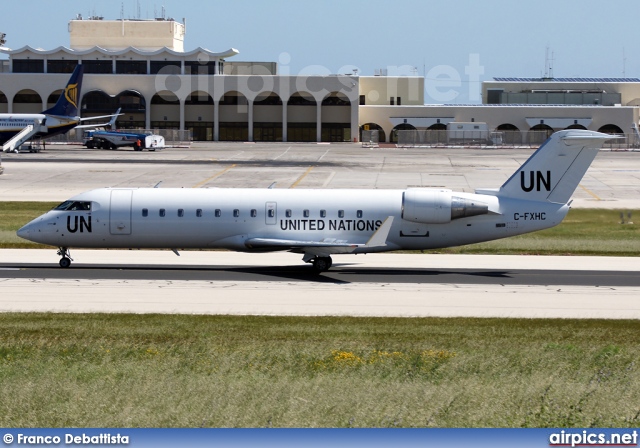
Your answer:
<point x="15" y="129"/>
<point x="319" y="223"/>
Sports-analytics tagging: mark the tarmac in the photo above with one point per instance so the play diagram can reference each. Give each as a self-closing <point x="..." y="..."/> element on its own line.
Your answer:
<point x="612" y="182"/>
<point x="289" y="296"/>
<point x="59" y="172"/>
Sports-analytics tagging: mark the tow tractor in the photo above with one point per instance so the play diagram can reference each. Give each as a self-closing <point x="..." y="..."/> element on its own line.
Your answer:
<point x="118" y="139"/>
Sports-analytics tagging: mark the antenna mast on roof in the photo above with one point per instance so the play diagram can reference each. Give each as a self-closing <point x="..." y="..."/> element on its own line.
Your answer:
<point x="548" y="64"/>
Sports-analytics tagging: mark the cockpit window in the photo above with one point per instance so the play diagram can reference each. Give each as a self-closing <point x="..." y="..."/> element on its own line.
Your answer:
<point x="74" y="205"/>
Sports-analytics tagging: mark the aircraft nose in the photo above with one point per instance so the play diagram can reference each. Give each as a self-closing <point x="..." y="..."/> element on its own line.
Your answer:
<point x="29" y="231"/>
<point x="24" y="232"/>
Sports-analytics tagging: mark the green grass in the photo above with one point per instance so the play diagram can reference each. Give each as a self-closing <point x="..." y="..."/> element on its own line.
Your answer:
<point x="14" y="215"/>
<point x="583" y="232"/>
<point x="73" y="370"/>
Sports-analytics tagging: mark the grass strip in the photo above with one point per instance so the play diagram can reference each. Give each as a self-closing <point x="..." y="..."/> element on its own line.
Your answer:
<point x="101" y="370"/>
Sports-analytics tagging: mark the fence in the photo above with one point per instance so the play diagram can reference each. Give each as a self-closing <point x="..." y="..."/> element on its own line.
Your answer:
<point x="370" y="139"/>
<point x="172" y="137"/>
<point x="495" y="139"/>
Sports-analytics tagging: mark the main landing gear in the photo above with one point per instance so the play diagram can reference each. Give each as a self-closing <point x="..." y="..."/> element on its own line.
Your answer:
<point x="66" y="259"/>
<point x="322" y="264"/>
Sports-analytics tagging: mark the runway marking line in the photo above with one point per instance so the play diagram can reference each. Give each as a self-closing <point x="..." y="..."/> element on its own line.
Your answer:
<point x="295" y="184"/>
<point x="590" y="192"/>
<point x="218" y="174"/>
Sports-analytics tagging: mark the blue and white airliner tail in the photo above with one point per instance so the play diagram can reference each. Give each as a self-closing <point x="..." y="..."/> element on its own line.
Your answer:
<point x="15" y="129"/>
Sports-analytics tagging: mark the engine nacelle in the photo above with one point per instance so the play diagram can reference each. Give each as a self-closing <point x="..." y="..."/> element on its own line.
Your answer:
<point x="428" y="206"/>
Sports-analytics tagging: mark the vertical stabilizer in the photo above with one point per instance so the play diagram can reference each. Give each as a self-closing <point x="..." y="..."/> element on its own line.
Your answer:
<point x="554" y="171"/>
<point x="67" y="105"/>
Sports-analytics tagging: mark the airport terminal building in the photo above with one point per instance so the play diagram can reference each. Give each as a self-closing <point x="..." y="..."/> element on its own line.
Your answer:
<point x="141" y="67"/>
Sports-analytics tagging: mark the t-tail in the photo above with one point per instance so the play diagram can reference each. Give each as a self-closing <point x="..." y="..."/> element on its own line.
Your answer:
<point x="67" y="105"/>
<point x="554" y="171"/>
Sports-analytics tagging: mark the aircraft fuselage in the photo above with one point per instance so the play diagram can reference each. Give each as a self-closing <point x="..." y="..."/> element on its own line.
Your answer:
<point x="50" y="125"/>
<point x="230" y="218"/>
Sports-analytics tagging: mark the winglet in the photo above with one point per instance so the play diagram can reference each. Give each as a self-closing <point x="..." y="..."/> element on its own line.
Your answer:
<point x="379" y="238"/>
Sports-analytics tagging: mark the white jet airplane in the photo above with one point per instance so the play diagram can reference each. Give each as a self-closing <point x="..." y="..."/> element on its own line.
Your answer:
<point x="320" y="223"/>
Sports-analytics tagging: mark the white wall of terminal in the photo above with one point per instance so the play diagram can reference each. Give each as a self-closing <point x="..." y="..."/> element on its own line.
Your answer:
<point x="317" y="88"/>
<point x="523" y="117"/>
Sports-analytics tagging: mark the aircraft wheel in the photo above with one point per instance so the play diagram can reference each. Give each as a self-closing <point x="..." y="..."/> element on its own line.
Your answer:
<point x="322" y="264"/>
<point x="65" y="262"/>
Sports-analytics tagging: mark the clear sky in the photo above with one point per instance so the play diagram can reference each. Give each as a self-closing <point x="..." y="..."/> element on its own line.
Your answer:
<point x="454" y="43"/>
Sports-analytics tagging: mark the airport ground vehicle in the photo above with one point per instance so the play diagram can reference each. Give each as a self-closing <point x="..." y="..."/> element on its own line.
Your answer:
<point x="118" y="139"/>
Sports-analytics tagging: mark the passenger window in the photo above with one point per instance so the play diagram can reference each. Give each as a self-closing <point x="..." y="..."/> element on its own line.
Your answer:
<point x="218" y="213"/>
<point x="145" y="212"/>
<point x="323" y="213"/>
<point x="236" y="213"/>
<point x="180" y="213"/>
<point x="340" y="213"/>
<point x="359" y="213"/>
<point x="288" y="213"/>
<point x="271" y="213"/>
<point x="162" y="212"/>
<point x="199" y="213"/>
<point x="254" y="213"/>
<point x="306" y="213"/>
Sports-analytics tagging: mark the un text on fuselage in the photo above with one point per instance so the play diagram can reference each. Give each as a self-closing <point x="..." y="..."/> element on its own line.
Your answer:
<point x="78" y="224"/>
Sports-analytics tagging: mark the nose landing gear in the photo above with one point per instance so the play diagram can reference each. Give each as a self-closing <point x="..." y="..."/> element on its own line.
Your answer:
<point x="66" y="259"/>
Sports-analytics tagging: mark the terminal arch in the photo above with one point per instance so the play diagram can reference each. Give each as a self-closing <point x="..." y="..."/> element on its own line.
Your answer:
<point x="97" y="102"/>
<point x="267" y="117"/>
<point x="134" y="108"/>
<point x="336" y="118"/>
<point x="510" y="133"/>
<point x="437" y="127"/>
<point x="539" y="133"/>
<point x="27" y="101"/>
<point x="611" y="129"/>
<point x="53" y="98"/>
<point x="437" y="133"/>
<point x="4" y="103"/>
<point x="382" y="136"/>
<point x="165" y="110"/>
<point x="401" y="127"/>
<point x="576" y="126"/>
<point x="199" y="115"/>
<point x="234" y="117"/>
<point x="301" y="117"/>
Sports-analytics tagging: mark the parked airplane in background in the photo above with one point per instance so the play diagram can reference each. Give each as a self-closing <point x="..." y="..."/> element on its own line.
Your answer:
<point x="15" y="129"/>
<point x="320" y="223"/>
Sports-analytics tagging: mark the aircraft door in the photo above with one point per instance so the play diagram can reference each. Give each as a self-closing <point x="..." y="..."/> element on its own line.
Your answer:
<point x="120" y="212"/>
<point x="270" y="213"/>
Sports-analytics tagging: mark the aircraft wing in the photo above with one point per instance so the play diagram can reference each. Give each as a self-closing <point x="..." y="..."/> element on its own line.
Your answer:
<point x="323" y="247"/>
<point x="111" y="122"/>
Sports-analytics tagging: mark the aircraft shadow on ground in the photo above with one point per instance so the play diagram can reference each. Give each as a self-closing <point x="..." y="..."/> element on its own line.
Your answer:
<point x="339" y="274"/>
